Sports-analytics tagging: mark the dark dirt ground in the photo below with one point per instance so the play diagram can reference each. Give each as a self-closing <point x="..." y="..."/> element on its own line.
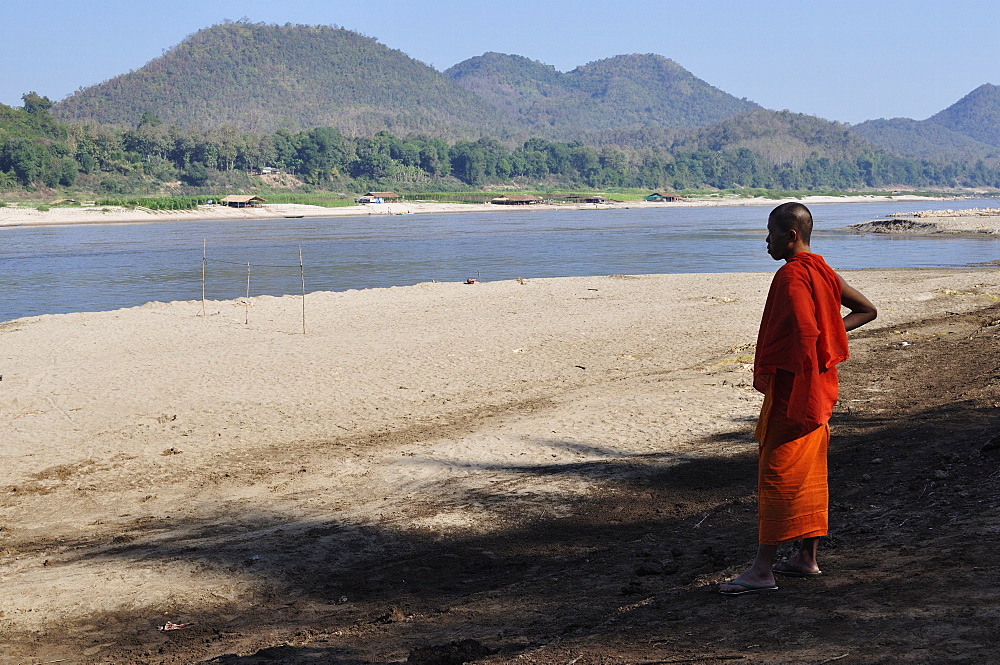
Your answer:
<point x="629" y="575"/>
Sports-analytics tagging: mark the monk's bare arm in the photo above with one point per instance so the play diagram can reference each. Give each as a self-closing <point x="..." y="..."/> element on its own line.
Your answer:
<point x="862" y="309"/>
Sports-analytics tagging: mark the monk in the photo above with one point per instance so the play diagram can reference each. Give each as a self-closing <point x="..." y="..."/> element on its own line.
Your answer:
<point x="802" y="338"/>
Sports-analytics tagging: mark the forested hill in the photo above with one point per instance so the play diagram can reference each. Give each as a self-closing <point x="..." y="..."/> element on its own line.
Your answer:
<point x="620" y="92"/>
<point x="976" y="115"/>
<point x="778" y="137"/>
<point x="924" y="139"/>
<point x="258" y="77"/>
<point x="968" y="130"/>
<point x="261" y="78"/>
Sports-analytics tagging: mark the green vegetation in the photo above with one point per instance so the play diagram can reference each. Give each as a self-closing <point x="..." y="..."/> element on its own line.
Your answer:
<point x="759" y="150"/>
<point x="157" y="202"/>
<point x="316" y="199"/>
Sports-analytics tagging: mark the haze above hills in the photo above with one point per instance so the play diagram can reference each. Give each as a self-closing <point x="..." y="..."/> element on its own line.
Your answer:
<point x="261" y="78"/>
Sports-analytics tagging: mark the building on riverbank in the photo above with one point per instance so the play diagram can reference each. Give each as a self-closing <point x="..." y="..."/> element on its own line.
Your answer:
<point x="663" y="197"/>
<point x="242" y="201"/>
<point x="378" y="197"/>
<point x="525" y="199"/>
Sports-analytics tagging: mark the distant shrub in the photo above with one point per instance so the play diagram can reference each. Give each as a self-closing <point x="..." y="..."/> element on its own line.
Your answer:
<point x="195" y="175"/>
<point x="325" y="200"/>
<point x="157" y="202"/>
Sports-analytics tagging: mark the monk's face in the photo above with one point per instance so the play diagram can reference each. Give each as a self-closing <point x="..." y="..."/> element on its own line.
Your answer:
<point x="779" y="243"/>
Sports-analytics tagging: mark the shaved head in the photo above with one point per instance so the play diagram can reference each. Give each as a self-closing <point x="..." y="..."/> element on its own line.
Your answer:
<point x="793" y="215"/>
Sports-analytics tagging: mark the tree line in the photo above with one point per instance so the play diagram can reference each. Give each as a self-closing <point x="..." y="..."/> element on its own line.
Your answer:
<point x="36" y="150"/>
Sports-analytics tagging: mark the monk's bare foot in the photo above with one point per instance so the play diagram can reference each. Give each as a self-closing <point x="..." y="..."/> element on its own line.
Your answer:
<point x="748" y="582"/>
<point x="796" y="566"/>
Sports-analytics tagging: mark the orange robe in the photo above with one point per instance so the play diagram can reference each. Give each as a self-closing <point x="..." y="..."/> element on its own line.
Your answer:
<point x="801" y="340"/>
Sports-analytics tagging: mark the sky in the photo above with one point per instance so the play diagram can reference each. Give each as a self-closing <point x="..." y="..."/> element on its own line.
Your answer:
<point x="848" y="61"/>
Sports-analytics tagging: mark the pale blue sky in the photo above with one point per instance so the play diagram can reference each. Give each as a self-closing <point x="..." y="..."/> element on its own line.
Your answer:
<point x="848" y="61"/>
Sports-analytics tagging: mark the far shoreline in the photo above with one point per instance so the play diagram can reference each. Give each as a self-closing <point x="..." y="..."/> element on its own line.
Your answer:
<point x="16" y="216"/>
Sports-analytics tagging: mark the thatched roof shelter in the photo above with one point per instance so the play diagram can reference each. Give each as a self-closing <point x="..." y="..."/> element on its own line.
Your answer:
<point x="242" y="201"/>
<point x="525" y="199"/>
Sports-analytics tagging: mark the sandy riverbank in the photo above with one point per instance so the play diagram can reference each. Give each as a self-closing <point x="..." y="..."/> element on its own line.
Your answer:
<point x="969" y="222"/>
<point x="14" y="215"/>
<point x="414" y="455"/>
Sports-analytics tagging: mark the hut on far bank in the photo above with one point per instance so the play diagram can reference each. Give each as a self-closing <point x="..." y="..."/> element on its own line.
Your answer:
<point x="663" y="197"/>
<point x="242" y="201"/>
<point x="588" y="198"/>
<point x="378" y="197"/>
<point x="522" y="200"/>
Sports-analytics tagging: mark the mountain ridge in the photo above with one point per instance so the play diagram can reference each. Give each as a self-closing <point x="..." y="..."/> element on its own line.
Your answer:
<point x="258" y="77"/>
<point x="263" y="78"/>
<point x="968" y="130"/>
<point x="636" y="90"/>
<point x="313" y="76"/>
<point x="976" y="115"/>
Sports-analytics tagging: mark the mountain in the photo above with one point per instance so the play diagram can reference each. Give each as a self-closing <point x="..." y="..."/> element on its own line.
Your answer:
<point x="261" y="78"/>
<point x="508" y="81"/>
<point x="924" y="139"/>
<point x="976" y="115"/>
<point x="966" y="131"/>
<point x="625" y="91"/>
<point x="779" y="137"/>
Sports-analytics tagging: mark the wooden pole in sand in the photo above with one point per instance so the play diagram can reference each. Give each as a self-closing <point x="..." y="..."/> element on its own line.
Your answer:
<point x="302" y="275"/>
<point x="204" y="250"/>
<point x="247" y="301"/>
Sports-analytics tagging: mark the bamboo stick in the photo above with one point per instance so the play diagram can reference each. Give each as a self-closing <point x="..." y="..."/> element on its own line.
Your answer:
<point x="302" y="276"/>
<point x="204" y="251"/>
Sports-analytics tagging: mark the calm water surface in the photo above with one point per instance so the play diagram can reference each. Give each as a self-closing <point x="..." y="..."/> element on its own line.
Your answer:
<point x="50" y="270"/>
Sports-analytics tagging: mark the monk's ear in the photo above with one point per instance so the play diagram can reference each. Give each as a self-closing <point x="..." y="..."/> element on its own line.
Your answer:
<point x="793" y="234"/>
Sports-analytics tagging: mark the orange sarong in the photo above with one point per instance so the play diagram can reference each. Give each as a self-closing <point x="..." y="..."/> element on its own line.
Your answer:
<point x="792" y="490"/>
<point x="801" y="340"/>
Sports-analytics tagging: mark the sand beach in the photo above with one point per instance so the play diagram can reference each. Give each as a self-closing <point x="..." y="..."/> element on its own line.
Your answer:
<point x="965" y="222"/>
<point x="536" y="471"/>
<point x="19" y="215"/>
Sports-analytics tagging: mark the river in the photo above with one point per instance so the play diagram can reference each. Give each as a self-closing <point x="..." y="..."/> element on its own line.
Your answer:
<point x="59" y="269"/>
